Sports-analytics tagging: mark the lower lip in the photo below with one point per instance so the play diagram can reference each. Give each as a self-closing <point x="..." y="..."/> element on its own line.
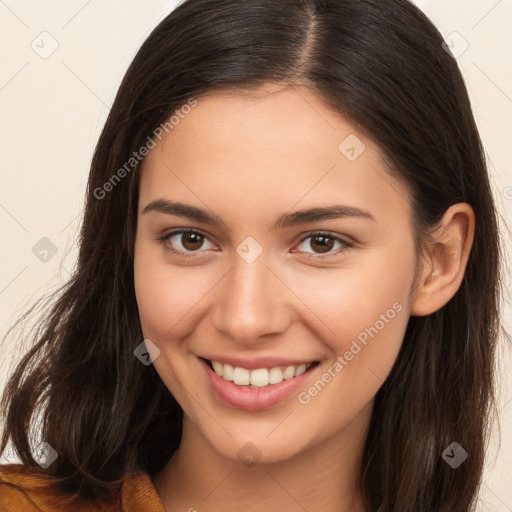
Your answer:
<point x="254" y="399"/>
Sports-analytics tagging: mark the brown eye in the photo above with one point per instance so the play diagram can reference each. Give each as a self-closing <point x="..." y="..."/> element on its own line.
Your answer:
<point x="321" y="244"/>
<point x="185" y="242"/>
<point x="192" y="241"/>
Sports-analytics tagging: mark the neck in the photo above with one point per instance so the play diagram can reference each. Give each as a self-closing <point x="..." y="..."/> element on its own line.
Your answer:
<point x="321" y="477"/>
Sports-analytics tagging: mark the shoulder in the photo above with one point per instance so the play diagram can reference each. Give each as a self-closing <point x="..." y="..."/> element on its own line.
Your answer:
<point x="21" y="488"/>
<point x="24" y="489"/>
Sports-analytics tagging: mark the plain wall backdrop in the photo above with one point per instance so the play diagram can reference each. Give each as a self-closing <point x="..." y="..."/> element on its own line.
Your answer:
<point x="62" y="62"/>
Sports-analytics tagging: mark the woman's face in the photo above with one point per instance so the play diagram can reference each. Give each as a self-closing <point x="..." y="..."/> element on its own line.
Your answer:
<point x="258" y="283"/>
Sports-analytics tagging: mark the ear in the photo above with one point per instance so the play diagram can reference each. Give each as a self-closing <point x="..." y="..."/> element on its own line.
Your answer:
<point x="445" y="261"/>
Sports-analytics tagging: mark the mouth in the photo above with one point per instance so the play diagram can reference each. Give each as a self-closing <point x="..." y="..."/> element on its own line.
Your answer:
<point x="259" y="377"/>
<point x="256" y="389"/>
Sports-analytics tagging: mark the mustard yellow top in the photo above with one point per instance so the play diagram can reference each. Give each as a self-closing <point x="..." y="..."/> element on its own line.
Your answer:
<point x="28" y="490"/>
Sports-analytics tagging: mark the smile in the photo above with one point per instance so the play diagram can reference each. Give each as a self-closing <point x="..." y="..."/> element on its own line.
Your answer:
<point x="265" y="384"/>
<point x="260" y="377"/>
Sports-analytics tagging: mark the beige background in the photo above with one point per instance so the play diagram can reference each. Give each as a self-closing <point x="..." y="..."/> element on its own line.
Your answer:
<point x="53" y="106"/>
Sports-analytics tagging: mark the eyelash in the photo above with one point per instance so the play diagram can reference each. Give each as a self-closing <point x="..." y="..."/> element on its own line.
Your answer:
<point x="347" y="245"/>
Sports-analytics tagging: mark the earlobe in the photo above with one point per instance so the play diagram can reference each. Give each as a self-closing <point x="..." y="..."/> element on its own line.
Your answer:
<point x="446" y="260"/>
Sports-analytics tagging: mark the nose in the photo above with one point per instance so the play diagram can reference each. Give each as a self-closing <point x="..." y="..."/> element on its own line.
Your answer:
<point x="252" y="302"/>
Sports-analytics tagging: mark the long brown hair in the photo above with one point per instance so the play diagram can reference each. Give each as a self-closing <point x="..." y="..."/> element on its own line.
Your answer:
<point x="381" y="65"/>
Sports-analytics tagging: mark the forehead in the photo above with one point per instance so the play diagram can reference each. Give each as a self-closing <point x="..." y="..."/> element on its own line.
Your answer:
<point x="273" y="146"/>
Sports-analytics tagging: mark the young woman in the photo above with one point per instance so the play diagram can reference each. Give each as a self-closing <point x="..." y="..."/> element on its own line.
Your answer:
<point x="287" y="289"/>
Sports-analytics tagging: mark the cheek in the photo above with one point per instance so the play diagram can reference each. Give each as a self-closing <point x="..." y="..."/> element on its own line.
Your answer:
<point x="367" y="311"/>
<point x="355" y="297"/>
<point x="168" y="300"/>
<point x="168" y="296"/>
<point x="364" y="311"/>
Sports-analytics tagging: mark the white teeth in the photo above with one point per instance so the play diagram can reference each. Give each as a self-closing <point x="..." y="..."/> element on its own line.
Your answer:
<point x="275" y="376"/>
<point x="217" y="367"/>
<point x="241" y="376"/>
<point x="227" y="372"/>
<point x="300" y="370"/>
<point x="289" y="372"/>
<point x="257" y="378"/>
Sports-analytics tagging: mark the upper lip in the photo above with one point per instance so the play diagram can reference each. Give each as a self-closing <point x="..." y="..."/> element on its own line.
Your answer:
<point x="256" y="362"/>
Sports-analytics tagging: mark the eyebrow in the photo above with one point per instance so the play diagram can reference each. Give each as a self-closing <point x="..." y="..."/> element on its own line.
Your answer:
<point x="285" y="220"/>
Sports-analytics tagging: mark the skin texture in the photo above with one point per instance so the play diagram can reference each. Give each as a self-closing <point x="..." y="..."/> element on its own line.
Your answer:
<point x="249" y="158"/>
